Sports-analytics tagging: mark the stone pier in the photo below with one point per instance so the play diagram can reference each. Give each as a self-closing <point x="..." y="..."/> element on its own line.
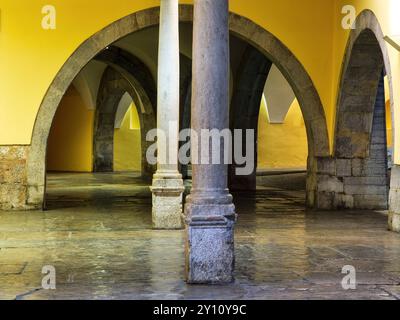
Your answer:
<point x="13" y="180"/>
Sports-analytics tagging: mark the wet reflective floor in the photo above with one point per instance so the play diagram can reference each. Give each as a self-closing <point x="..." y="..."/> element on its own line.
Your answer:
<point x="97" y="234"/>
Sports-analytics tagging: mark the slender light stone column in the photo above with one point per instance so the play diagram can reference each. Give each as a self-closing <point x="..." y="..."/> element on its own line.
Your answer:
<point x="167" y="185"/>
<point x="209" y="209"/>
<point x="394" y="199"/>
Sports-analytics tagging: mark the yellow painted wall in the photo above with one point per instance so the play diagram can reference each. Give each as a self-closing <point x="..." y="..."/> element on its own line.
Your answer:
<point x="70" y="141"/>
<point x="389" y="127"/>
<point x="282" y="146"/>
<point x="389" y="124"/>
<point x="127" y="144"/>
<point x="35" y="55"/>
<point x="70" y="147"/>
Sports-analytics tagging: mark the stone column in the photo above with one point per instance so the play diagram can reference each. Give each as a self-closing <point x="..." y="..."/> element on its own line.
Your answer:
<point x="394" y="199"/>
<point x="209" y="209"/>
<point x="167" y="185"/>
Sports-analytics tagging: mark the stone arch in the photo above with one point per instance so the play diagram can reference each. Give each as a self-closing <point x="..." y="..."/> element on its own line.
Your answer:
<point x="360" y="145"/>
<point x="365" y="57"/>
<point x="136" y="79"/>
<point x="113" y="87"/>
<point x="185" y="84"/>
<point x="266" y="42"/>
<point x="248" y="89"/>
<point x="295" y="74"/>
<point x="135" y="71"/>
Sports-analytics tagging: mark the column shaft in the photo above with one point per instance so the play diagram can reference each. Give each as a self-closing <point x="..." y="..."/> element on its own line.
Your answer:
<point x="394" y="199"/>
<point x="209" y="209"/>
<point x="167" y="185"/>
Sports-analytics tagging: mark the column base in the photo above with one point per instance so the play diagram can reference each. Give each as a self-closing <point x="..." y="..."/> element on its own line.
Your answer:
<point x="210" y="256"/>
<point x="394" y="222"/>
<point x="167" y="203"/>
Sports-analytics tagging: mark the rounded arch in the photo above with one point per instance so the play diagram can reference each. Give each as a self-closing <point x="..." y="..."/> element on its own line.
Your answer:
<point x="297" y="77"/>
<point x="113" y="87"/>
<point x="365" y="57"/>
<point x="251" y="76"/>
<point x="266" y="42"/>
<point x="360" y="144"/>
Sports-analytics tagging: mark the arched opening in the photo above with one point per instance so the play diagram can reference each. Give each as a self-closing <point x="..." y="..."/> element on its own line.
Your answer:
<point x="105" y="150"/>
<point x="264" y="101"/>
<point x="363" y="138"/>
<point x="126" y="129"/>
<point x="81" y="134"/>
<point x="116" y="96"/>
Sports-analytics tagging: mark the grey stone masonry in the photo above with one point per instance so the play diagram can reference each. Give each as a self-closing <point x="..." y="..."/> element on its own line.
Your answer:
<point x="13" y="181"/>
<point x="356" y="183"/>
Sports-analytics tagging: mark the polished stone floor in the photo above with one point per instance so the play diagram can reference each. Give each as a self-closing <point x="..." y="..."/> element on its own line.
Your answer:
<point x="97" y="234"/>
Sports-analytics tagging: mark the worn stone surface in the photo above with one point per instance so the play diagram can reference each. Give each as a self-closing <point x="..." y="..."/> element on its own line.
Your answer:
<point x="343" y="167"/>
<point x="394" y="221"/>
<point x="167" y="203"/>
<point x="211" y="252"/>
<point x="98" y="234"/>
<point x="13" y="178"/>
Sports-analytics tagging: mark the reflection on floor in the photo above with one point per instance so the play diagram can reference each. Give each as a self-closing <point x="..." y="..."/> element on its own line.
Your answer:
<point x="97" y="234"/>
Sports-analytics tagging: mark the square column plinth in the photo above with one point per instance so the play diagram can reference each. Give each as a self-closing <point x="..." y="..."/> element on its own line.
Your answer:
<point x="167" y="203"/>
<point x="210" y="257"/>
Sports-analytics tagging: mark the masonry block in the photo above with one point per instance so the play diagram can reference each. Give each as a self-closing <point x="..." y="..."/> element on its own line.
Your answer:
<point x="325" y="165"/>
<point x="343" y="201"/>
<point x="329" y="184"/>
<point x="371" y="202"/>
<point x="362" y="181"/>
<point x="13" y="177"/>
<point x="343" y="167"/>
<point x="366" y="190"/>
<point x="325" y="200"/>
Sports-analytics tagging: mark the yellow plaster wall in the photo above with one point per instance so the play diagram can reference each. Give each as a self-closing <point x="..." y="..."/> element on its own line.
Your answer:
<point x="127" y="144"/>
<point x="282" y="146"/>
<point x="30" y="57"/>
<point x="70" y="142"/>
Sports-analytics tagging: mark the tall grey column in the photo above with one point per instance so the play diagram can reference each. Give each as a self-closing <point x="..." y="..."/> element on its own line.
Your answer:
<point x="209" y="209"/>
<point x="167" y="187"/>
